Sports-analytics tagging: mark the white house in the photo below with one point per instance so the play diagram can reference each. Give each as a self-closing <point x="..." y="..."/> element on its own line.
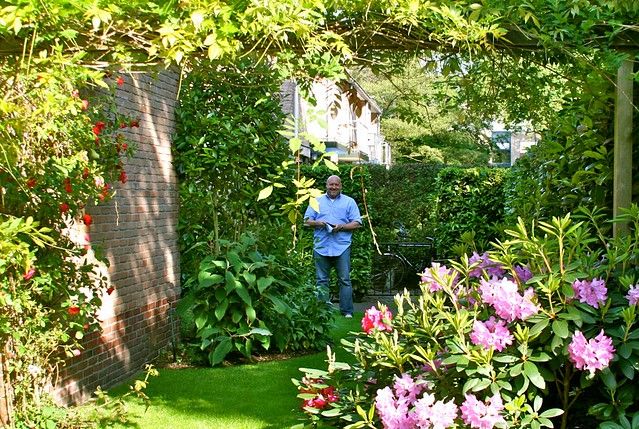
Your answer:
<point x="344" y="117"/>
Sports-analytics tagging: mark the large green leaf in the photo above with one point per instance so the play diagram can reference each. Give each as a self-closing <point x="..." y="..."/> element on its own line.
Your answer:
<point x="531" y="371"/>
<point x="264" y="282"/>
<point x="243" y="293"/>
<point x="206" y="279"/>
<point x="221" y="350"/>
<point x="220" y="310"/>
<point x="280" y="306"/>
<point x="250" y="313"/>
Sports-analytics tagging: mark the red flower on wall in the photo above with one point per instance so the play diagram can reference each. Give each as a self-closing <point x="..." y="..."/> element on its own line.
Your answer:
<point x="110" y="290"/>
<point x="31" y="183"/>
<point x="134" y="123"/>
<point x="98" y="127"/>
<point x="73" y="310"/>
<point x="120" y="81"/>
<point x="67" y="185"/>
<point x="123" y="177"/>
<point x="85" y="173"/>
<point x="64" y="207"/>
<point x="88" y="220"/>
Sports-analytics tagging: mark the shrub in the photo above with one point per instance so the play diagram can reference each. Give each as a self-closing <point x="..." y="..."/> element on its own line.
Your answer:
<point x="531" y="334"/>
<point x="239" y="303"/>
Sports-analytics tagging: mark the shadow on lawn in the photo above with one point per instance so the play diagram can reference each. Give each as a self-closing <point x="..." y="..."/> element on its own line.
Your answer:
<point x="253" y="396"/>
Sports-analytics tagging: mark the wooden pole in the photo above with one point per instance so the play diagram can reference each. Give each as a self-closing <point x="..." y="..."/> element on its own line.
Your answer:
<point x="622" y="181"/>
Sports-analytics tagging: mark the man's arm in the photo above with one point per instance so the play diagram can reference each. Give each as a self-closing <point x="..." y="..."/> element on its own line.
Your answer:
<point x="315" y="223"/>
<point x="347" y="226"/>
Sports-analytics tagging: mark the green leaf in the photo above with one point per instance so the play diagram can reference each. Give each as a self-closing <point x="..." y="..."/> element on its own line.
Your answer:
<point x="264" y="282"/>
<point x="531" y="371"/>
<point x="206" y="279"/>
<point x="220" y="352"/>
<point x="560" y="328"/>
<point x="220" y="310"/>
<point x="265" y="193"/>
<point x="260" y="331"/>
<point x="250" y="313"/>
<point x="538" y="327"/>
<point x="608" y="378"/>
<point x="243" y="293"/>
<point x="279" y="305"/>
<point x="552" y="412"/>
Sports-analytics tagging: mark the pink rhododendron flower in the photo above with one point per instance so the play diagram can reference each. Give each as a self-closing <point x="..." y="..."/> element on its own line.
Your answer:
<point x="633" y="295"/>
<point x="377" y="319"/>
<point x="491" y="333"/>
<point x="434" y="414"/>
<point x="393" y="412"/>
<point x="591" y="354"/>
<point x="437" y="272"/>
<point x="591" y="292"/>
<point x="482" y="415"/>
<point x="523" y="273"/>
<point x="400" y="407"/>
<point x="504" y="296"/>
<point x="491" y="267"/>
<point x="407" y="387"/>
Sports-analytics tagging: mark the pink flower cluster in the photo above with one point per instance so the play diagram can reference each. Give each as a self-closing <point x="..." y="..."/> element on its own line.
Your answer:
<point x="431" y="276"/>
<point x="504" y="296"/>
<point x="591" y="354"/>
<point x="482" y="415"/>
<point x="592" y="292"/>
<point x="379" y="319"/>
<point x="491" y="333"/>
<point x="402" y="408"/>
<point x="491" y="267"/>
<point x="633" y="295"/>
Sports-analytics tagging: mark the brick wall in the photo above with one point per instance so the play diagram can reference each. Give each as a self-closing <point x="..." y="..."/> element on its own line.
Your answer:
<point x="137" y="231"/>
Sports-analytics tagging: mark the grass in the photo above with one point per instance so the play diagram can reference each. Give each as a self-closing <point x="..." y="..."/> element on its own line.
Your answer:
<point x="250" y="396"/>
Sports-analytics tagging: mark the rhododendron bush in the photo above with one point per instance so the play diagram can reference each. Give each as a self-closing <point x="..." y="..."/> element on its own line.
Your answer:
<point x="538" y="332"/>
<point x="63" y="147"/>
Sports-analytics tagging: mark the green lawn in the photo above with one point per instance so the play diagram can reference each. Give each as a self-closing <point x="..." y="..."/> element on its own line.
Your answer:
<point x="248" y="396"/>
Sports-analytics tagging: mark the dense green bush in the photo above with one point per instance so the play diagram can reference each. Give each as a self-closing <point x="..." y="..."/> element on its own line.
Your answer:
<point x="572" y="165"/>
<point x="467" y="200"/>
<point x="243" y="301"/>
<point x="226" y="140"/>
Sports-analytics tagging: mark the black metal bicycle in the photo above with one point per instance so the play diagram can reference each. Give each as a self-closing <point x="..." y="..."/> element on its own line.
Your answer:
<point x="399" y="265"/>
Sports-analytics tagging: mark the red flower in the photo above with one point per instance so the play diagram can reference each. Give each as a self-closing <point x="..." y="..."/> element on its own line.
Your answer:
<point x="29" y="274"/>
<point x="31" y="183"/>
<point x="73" y="310"/>
<point x="124" y="147"/>
<point x="120" y="81"/>
<point x="85" y="173"/>
<point x="67" y="185"/>
<point x="101" y="197"/>
<point x="98" y="127"/>
<point x="85" y="104"/>
<point x="134" y="123"/>
<point x="123" y="177"/>
<point x="110" y="290"/>
<point x="64" y="207"/>
<point x="123" y="125"/>
<point x="75" y="93"/>
<point x="87" y="219"/>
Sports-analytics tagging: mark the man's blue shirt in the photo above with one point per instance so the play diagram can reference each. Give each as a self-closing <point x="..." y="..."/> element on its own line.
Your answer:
<point x="342" y="209"/>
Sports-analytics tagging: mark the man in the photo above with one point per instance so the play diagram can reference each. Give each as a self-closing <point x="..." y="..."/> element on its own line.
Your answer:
<point x="338" y="216"/>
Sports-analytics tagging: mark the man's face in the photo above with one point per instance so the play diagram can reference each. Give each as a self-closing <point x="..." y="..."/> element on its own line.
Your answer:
<point x="333" y="187"/>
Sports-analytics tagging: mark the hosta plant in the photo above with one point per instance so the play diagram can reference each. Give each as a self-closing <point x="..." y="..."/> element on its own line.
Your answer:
<point x="535" y="333"/>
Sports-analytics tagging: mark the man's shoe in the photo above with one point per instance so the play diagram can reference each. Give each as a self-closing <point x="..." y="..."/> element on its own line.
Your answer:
<point x="348" y="315"/>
